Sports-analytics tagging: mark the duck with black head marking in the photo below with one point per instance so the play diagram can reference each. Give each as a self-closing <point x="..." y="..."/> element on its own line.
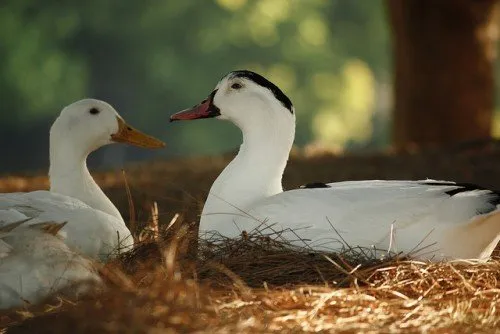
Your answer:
<point x="427" y="219"/>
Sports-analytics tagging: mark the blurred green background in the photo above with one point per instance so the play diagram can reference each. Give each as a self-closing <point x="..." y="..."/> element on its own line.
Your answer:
<point x="152" y="58"/>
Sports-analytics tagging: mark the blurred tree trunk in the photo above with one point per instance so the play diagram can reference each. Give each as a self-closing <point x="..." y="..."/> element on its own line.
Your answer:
<point x="444" y="52"/>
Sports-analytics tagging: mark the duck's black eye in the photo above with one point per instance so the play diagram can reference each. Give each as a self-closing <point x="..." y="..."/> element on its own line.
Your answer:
<point x="94" y="111"/>
<point x="236" y="85"/>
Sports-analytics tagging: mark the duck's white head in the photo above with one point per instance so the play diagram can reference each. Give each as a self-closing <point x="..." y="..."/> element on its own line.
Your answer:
<point x="89" y="124"/>
<point x="246" y="99"/>
<point x="81" y="128"/>
<point x="266" y="118"/>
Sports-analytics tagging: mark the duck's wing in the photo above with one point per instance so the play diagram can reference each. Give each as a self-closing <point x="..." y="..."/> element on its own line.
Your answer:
<point x="35" y="203"/>
<point x="92" y="232"/>
<point x="402" y="216"/>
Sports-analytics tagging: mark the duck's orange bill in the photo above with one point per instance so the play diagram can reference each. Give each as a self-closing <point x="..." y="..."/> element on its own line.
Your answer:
<point x="129" y="135"/>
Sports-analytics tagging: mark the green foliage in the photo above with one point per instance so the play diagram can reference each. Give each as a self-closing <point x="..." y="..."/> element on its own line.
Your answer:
<point x="38" y="75"/>
<point x="152" y="58"/>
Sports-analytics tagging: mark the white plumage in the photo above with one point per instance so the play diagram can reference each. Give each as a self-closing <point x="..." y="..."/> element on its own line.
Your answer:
<point x="91" y="232"/>
<point x="37" y="263"/>
<point x="415" y="217"/>
<point x="427" y="219"/>
<point x="94" y="226"/>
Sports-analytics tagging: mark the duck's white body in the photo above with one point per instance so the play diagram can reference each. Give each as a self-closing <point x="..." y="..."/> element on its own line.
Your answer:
<point x="426" y="219"/>
<point x="413" y="217"/>
<point x="89" y="231"/>
<point x="94" y="226"/>
<point x="36" y="264"/>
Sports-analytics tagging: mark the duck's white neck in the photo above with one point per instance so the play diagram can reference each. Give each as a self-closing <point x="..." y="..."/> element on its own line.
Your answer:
<point x="69" y="175"/>
<point x="254" y="174"/>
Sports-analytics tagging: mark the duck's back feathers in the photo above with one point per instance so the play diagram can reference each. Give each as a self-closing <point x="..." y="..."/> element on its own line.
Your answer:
<point x="91" y="232"/>
<point x="401" y="215"/>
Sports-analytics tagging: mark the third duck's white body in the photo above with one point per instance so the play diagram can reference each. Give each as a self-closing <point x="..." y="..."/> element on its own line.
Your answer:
<point x="35" y="263"/>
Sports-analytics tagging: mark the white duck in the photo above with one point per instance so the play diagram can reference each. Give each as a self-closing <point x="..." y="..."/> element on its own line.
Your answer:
<point x="35" y="262"/>
<point x="429" y="219"/>
<point x="95" y="227"/>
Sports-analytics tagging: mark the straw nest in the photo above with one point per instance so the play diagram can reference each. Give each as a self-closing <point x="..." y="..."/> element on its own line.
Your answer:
<point x="257" y="283"/>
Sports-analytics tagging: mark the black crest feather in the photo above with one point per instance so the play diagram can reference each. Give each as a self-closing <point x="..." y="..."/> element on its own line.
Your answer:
<point x="261" y="81"/>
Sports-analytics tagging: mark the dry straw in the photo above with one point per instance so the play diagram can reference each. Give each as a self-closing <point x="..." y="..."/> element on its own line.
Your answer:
<point x="257" y="283"/>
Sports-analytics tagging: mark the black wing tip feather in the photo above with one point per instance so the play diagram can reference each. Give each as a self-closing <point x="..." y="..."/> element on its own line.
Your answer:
<point x="460" y="186"/>
<point x="314" y="185"/>
<point x="463" y="187"/>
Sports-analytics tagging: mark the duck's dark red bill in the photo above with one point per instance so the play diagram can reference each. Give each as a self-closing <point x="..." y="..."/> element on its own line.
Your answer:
<point x="205" y="109"/>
